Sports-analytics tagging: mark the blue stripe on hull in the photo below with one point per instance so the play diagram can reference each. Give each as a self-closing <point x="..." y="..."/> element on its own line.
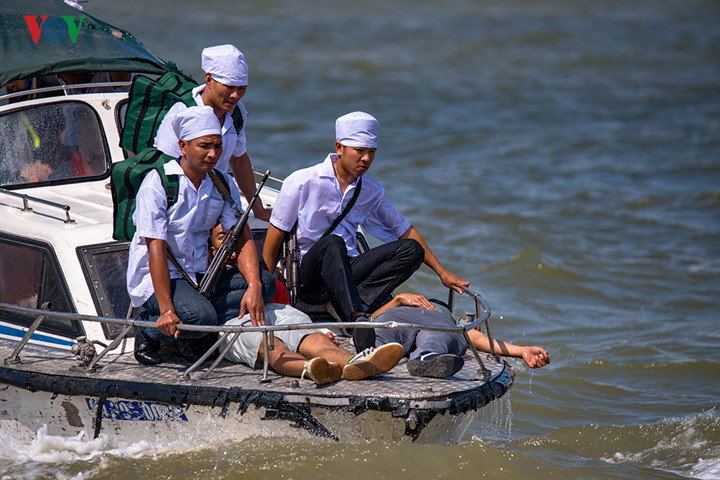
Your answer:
<point x="16" y="332"/>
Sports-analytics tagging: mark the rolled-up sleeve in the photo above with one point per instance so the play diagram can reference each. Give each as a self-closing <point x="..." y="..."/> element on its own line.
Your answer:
<point x="150" y="216"/>
<point x="285" y="211"/>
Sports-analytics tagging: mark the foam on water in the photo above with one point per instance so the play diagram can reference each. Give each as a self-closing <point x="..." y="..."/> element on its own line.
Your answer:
<point x="688" y="446"/>
<point x="60" y="455"/>
<point x="46" y="448"/>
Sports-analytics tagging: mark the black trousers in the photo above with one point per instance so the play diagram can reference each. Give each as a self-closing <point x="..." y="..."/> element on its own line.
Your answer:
<point x="328" y="274"/>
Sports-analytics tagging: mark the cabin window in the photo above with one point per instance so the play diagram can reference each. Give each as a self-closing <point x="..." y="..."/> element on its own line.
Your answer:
<point x="29" y="277"/>
<point x="105" y="268"/>
<point x="51" y="143"/>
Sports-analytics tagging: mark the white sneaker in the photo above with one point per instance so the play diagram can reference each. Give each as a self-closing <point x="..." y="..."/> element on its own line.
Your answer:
<point x="320" y="371"/>
<point x="372" y="361"/>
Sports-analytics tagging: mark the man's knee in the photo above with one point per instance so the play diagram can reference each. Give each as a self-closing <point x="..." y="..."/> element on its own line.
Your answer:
<point x="314" y="341"/>
<point x="412" y="251"/>
<point x="330" y="244"/>
<point x="199" y="313"/>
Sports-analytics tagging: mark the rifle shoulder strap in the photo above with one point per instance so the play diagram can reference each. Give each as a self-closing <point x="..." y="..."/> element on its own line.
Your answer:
<point x="349" y="206"/>
<point x="221" y="184"/>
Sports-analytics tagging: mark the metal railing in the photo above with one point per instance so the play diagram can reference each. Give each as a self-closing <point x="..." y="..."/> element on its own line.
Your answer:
<point x="64" y="89"/>
<point x="482" y="310"/>
<point x="28" y="198"/>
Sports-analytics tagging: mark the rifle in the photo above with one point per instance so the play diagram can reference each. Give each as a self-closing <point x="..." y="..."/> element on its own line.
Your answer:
<point x="217" y="265"/>
<point x="291" y="261"/>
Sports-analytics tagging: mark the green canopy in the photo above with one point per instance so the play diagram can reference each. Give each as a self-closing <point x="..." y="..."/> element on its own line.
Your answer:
<point x="44" y="37"/>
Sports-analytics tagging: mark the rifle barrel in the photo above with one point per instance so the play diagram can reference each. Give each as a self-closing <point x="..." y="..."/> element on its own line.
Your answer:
<point x="217" y="265"/>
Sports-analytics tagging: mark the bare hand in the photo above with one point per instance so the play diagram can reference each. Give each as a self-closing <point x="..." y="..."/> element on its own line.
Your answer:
<point x="261" y="212"/>
<point x="535" y="357"/>
<point x="333" y="339"/>
<point x="414" y="300"/>
<point x="166" y="324"/>
<point x="451" y="280"/>
<point x="253" y="304"/>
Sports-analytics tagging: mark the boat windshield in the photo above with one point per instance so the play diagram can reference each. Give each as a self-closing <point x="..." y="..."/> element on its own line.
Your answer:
<point x="51" y="143"/>
<point x="29" y="277"/>
<point x="105" y="268"/>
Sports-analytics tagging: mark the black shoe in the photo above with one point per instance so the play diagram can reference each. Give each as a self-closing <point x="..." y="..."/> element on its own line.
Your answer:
<point x="363" y="337"/>
<point x="435" y="365"/>
<point x="191" y="349"/>
<point x="146" y="349"/>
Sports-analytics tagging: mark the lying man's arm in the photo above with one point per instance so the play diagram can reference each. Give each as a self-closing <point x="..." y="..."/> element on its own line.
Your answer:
<point x="534" y="357"/>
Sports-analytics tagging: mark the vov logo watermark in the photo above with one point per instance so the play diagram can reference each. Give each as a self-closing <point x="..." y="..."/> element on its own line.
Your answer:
<point x="54" y="29"/>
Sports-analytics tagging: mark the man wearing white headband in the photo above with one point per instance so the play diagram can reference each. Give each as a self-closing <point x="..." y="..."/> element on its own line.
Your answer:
<point x="331" y="268"/>
<point x="226" y="80"/>
<point x="184" y="229"/>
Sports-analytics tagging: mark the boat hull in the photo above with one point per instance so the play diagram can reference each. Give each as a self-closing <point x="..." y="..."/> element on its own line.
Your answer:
<point x="134" y="403"/>
<point x="25" y="413"/>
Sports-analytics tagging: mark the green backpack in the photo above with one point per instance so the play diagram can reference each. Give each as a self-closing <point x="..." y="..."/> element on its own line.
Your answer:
<point x="148" y="102"/>
<point x="125" y="180"/>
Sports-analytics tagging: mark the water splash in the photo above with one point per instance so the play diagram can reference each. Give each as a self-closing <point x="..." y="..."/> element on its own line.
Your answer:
<point x="496" y="420"/>
<point x="532" y="371"/>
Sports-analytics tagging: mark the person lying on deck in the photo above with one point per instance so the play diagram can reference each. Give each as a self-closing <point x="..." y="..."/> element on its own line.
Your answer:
<point x="297" y="353"/>
<point x="439" y="354"/>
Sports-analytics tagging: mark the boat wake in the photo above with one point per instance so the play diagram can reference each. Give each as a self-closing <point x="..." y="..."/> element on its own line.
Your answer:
<point x="687" y="446"/>
<point x="670" y="448"/>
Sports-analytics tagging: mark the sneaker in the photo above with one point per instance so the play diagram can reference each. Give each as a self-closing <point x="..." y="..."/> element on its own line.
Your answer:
<point x="372" y="361"/>
<point x="435" y="365"/>
<point x="335" y="371"/>
<point x="320" y="371"/>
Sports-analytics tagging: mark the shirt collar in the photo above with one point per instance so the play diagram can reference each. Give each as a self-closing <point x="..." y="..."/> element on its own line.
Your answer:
<point x="173" y="168"/>
<point x="327" y="170"/>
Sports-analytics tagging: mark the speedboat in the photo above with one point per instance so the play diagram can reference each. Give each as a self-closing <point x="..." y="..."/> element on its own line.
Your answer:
<point x="66" y="326"/>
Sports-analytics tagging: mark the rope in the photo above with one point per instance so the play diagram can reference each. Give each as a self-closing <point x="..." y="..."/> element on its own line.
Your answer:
<point x="84" y="350"/>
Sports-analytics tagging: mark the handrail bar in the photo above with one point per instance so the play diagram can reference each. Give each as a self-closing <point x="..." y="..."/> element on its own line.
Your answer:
<point x="270" y="177"/>
<point x="65" y="88"/>
<point x="269" y="329"/>
<point x="237" y="328"/>
<point x="485" y="316"/>
<point x="26" y="203"/>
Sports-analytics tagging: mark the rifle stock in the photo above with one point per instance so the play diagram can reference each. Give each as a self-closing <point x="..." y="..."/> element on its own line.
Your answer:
<point x="217" y="265"/>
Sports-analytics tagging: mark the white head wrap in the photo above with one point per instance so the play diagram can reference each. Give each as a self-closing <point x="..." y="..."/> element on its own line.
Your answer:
<point x="357" y="129"/>
<point x="194" y="122"/>
<point x="226" y="64"/>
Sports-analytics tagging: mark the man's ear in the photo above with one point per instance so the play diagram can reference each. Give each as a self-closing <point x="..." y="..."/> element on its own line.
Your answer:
<point x="339" y="148"/>
<point x="208" y="77"/>
<point x="183" y="145"/>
